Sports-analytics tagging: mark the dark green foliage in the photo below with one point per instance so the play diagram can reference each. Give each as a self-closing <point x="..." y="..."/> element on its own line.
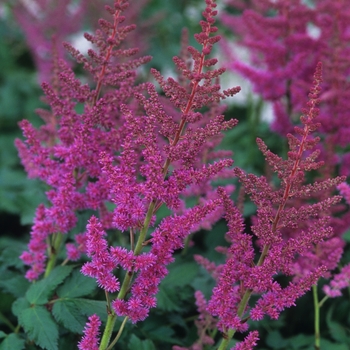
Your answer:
<point x="137" y="344"/>
<point x="11" y="342"/>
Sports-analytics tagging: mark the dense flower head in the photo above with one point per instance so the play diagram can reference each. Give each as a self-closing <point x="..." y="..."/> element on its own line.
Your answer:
<point x="65" y="151"/>
<point x="122" y="151"/>
<point x="90" y="339"/>
<point x="102" y="264"/>
<point x="167" y="237"/>
<point x="249" y="342"/>
<point x="288" y="231"/>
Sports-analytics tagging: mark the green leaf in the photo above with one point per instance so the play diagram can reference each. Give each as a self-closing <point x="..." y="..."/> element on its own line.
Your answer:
<point x="301" y="341"/>
<point x="69" y="315"/>
<point x="327" y="345"/>
<point x="40" y="292"/>
<point x="180" y="273"/>
<point x="89" y="307"/>
<point x="275" y="340"/>
<point x="19" y="305"/>
<point x="138" y="344"/>
<point x="12" y="342"/>
<point x="167" y="299"/>
<point x="11" y="250"/>
<point x="77" y="285"/>
<point x="37" y="322"/>
<point x="337" y="331"/>
<point x="17" y="285"/>
<point x="162" y="333"/>
<point x="346" y="236"/>
<point x="2" y="334"/>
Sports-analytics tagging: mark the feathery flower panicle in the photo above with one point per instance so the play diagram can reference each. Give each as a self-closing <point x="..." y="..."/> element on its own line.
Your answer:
<point x="249" y="342"/>
<point x="102" y="264"/>
<point x="285" y="39"/>
<point x="167" y="150"/>
<point x="90" y="339"/>
<point x="167" y="237"/>
<point x="243" y="274"/>
<point x="65" y="152"/>
<point x="125" y="148"/>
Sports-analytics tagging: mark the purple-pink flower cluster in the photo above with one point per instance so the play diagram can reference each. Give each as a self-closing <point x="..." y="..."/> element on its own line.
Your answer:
<point x="90" y="339"/>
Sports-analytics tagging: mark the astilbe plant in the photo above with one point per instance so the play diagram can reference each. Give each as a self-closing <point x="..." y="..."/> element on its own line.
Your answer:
<point x="131" y="151"/>
<point x="285" y="39"/>
<point x="125" y="149"/>
<point x="244" y="274"/>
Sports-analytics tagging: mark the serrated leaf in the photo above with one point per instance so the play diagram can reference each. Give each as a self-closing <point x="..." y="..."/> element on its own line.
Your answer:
<point x="138" y="344"/>
<point x="162" y="333"/>
<point x="337" y="331"/>
<point x="67" y="313"/>
<point x="89" y="307"/>
<point x="12" y="342"/>
<point x="40" y="292"/>
<point x="17" y="285"/>
<point x="37" y="322"/>
<point x="12" y="249"/>
<point x="76" y="285"/>
<point x="181" y="273"/>
<point x="166" y="299"/>
<point x="19" y="305"/>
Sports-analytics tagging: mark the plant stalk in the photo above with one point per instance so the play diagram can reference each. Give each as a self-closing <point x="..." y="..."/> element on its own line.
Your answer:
<point x="54" y="249"/>
<point x="317" y="318"/>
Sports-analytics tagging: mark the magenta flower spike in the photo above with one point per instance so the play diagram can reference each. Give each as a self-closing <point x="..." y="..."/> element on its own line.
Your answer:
<point x="244" y="275"/>
<point x="90" y="340"/>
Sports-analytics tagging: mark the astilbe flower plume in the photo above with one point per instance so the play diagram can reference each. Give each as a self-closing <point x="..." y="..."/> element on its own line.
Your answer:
<point x="90" y="339"/>
<point x="170" y="147"/>
<point x="133" y="149"/>
<point x="285" y="39"/>
<point x="64" y="152"/>
<point x="243" y="274"/>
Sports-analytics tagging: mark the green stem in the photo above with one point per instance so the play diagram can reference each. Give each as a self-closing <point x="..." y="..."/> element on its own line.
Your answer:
<point x="139" y="245"/>
<point x="118" y="335"/>
<point x="317" y="318"/>
<point x="112" y="317"/>
<point x="54" y="249"/>
<point x="323" y="300"/>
